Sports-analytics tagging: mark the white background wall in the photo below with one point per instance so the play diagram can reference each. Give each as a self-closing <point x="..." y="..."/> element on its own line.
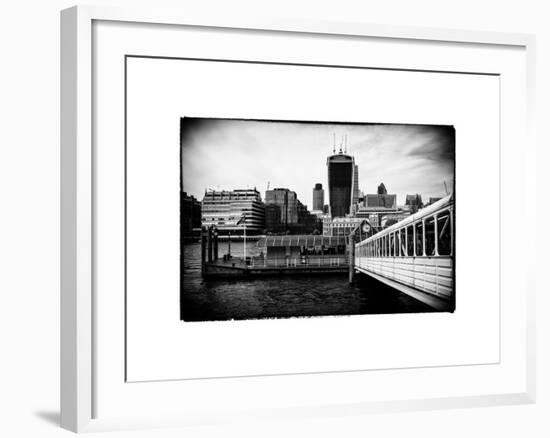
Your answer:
<point x="29" y="215"/>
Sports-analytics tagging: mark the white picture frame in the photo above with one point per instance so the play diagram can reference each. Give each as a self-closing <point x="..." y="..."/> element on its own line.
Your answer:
<point x="79" y="167"/>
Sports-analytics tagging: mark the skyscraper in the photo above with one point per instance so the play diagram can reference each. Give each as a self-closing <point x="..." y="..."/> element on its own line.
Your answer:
<point x="355" y="194"/>
<point x="342" y="173"/>
<point x="318" y="197"/>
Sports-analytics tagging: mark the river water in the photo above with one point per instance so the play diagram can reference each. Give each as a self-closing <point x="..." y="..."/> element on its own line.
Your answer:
<point x="282" y="297"/>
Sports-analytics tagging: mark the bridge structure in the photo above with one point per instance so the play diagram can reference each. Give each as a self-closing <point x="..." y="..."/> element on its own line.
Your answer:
<point x="415" y="256"/>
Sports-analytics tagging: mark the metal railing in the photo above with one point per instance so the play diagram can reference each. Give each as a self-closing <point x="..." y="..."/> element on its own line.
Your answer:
<point x="299" y="262"/>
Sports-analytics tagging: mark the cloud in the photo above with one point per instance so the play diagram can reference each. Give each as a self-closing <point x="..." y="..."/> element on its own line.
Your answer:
<point x="229" y="154"/>
<point x="436" y="143"/>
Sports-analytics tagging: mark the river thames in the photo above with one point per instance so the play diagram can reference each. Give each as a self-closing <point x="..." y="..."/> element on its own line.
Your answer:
<point x="282" y="296"/>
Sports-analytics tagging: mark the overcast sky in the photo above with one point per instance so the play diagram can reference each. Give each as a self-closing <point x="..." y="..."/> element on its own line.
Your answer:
<point x="224" y="154"/>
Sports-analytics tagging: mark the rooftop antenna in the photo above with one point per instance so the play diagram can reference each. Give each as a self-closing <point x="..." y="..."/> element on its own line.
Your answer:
<point x="345" y="143"/>
<point x="445" y="184"/>
<point x="334" y="142"/>
<point x="341" y="144"/>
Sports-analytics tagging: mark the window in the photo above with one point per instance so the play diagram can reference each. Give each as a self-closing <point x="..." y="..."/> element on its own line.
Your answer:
<point x="419" y="239"/>
<point x="410" y="241"/>
<point x="402" y="243"/>
<point x="397" y="244"/>
<point x="444" y="233"/>
<point x="429" y="239"/>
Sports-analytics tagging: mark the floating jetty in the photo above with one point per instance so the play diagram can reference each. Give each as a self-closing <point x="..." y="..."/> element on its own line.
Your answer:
<point x="227" y="270"/>
<point x="278" y="255"/>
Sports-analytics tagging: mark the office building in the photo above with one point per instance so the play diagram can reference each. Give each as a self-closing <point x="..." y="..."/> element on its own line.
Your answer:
<point x="340" y="226"/>
<point x="318" y="197"/>
<point x="380" y="201"/>
<point x="433" y="201"/>
<point x="414" y="202"/>
<point x="355" y="188"/>
<point x="190" y="213"/>
<point x="294" y="216"/>
<point x="273" y="223"/>
<point x="225" y="209"/>
<point x="380" y="208"/>
<point x="343" y="184"/>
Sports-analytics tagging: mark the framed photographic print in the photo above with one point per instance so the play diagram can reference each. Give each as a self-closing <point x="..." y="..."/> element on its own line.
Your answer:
<point x="315" y="216"/>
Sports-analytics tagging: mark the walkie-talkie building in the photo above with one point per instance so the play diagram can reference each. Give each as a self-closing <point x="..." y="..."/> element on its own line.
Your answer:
<point x="342" y="172"/>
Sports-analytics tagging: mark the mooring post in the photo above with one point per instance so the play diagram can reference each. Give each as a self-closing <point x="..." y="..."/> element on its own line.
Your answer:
<point x="215" y="243"/>
<point x="229" y="245"/>
<point x="209" y="242"/>
<point x="351" y="243"/>
<point x="203" y="251"/>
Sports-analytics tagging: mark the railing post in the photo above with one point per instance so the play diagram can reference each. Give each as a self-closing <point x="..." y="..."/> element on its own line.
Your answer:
<point x="351" y="254"/>
<point x="436" y="236"/>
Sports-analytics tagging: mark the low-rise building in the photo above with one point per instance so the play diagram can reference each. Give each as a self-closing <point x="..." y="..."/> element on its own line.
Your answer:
<point x="340" y="226"/>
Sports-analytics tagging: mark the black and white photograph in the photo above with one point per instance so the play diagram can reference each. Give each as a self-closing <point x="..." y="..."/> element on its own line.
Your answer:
<point x="283" y="219"/>
<point x="240" y="219"/>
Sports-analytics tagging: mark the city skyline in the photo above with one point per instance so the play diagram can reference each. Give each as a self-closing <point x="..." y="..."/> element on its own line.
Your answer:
<point x="227" y="154"/>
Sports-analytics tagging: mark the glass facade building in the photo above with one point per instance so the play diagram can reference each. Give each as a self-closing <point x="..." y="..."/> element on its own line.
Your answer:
<point x="342" y="183"/>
